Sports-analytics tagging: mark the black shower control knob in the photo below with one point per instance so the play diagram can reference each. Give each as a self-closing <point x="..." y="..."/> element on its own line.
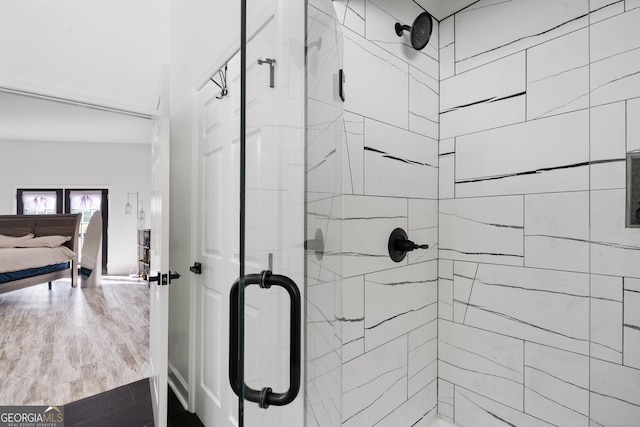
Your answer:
<point x="408" y="245"/>
<point x="399" y="244"/>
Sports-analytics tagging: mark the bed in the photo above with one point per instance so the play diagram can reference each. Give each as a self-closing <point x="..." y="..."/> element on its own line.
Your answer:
<point x="54" y="265"/>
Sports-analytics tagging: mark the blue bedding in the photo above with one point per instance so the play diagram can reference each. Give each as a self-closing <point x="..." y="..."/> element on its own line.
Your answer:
<point x="30" y="272"/>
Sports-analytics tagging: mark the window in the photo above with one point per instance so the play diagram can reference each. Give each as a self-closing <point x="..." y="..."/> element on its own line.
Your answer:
<point x="39" y="202"/>
<point x="50" y="201"/>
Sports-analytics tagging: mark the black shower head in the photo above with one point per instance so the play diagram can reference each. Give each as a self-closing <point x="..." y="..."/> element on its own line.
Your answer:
<point x="420" y="30"/>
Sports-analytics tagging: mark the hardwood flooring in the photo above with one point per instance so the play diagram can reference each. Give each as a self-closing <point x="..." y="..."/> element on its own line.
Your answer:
<point x="129" y="405"/>
<point x="67" y="344"/>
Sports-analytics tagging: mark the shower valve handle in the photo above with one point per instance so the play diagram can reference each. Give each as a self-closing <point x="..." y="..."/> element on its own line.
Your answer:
<point x="408" y="245"/>
<point x="399" y="244"/>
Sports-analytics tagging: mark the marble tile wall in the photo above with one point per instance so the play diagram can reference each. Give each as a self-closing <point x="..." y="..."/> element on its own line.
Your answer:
<point x="371" y="322"/>
<point x="538" y="278"/>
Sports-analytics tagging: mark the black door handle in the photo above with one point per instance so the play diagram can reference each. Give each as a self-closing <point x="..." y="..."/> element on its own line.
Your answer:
<point x="266" y="396"/>
<point x="196" y="268"/>
<point x="173" y="276"/>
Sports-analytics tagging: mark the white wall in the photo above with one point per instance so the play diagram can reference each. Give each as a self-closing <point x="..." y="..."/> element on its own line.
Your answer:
<point x="201" y="30"/>
<point x="109" y="51"/>
<point x="121" y="168"/>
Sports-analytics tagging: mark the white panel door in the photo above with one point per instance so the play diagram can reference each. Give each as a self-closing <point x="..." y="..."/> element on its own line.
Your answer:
<point x="218" y="132"/>
<point x="159" y="255"/>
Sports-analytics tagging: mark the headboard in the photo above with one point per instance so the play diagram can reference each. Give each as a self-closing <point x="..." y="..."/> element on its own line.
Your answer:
<point x="43" y="225"/>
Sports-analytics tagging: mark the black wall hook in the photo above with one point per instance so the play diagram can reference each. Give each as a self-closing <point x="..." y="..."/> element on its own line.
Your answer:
<point x="399" y="244"/>
<point x="222" y="74"/>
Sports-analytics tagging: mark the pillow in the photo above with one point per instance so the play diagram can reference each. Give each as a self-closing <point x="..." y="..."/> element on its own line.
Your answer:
<point x="44" y="242"/>
<point x="10" y="241"/>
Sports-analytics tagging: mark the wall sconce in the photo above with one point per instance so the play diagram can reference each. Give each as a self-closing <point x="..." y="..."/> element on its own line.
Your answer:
<point x="128" y="209"/>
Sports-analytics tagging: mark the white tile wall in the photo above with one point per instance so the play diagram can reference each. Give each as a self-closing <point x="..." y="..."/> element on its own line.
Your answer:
<point x="570" y="299"/>
<point x="532" y="276"/>
<point x="372" y="322"/>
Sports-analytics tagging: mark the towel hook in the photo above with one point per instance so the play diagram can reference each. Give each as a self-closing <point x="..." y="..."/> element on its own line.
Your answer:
<point x="224" y="91"/>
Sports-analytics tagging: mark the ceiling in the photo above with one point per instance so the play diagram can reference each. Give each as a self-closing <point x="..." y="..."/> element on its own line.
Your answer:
<point x="440" y="9"/>
<point x="24" y="118"/>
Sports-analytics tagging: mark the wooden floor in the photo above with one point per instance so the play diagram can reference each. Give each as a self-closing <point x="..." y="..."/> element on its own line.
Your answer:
<point x="66" y="344"/>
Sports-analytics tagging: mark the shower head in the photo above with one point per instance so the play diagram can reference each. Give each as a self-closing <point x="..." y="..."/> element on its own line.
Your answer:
<point x="420" y="30"/>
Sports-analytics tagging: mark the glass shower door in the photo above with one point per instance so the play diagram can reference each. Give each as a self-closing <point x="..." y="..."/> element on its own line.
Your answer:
<point x="266" y="365"/>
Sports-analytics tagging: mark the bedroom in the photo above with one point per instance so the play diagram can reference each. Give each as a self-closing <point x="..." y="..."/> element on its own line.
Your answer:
<point x="50" y="144"/>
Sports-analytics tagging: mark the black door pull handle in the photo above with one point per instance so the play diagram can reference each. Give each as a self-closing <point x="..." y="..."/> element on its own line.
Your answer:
<point x="196" y="268"/>
<point x="266" y="396"/>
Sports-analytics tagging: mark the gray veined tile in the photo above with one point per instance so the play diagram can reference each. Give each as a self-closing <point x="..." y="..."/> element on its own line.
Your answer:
<point x="615" y="250"/>
<point x="353" y="156"/>
<point x="606" y="318"/>
<point x="615" y="68"/>
<point x="447" y="146"/>
<point x="423" y="103"/>
<point x="323" y="214"/>
<point x="423" y="229"/>
<point x="445" y="399"/>
<point x="615" y="400"/>
<point x="367" y="223"/>
<point x="447" y="32"/>
<point x="482" y="229"/>
<point x="608" y="144"/>
<point x="607" y="287"/>
<point x="487" y="363"/>
<point x="556" y="385"/>
<point x="467" y="107"/>
<point x="631" y="284"/>
<point x="522" y="24"/>
<point x="445" y="289"/>
<point x="556" y="231"/>
<point x="389" y="101"/>
<point x="595" y="5"/>
<point x="419" y="410"/>
<point x="398" y="301"/>
<point x="423" y="357"/>
<point x="375" y="383"/>
<point x="447" y="61"/>
<point x="500" y="79"/>
<point x="631" y="4"/>
<point x="445" y="268"/>
<point x="601" y="10"/>
<point x="395" y="159"/>
<point x="558" y="75"/>
<point x="616" y="35"/>
<point x="351" y="14"/>
<point x="352" y="317"/>
<point x="464" y="276"/>
<point x="473" y="409"/>
<point x="543" y="306"/>
<point x="324" y="149"/>
<point x="446" y="176"/>
<point x="631" y="328"/>
<point x="525" y="158"/>
<point x="633" y="125"/>
<point x="445" y="299"/>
